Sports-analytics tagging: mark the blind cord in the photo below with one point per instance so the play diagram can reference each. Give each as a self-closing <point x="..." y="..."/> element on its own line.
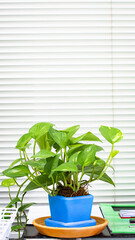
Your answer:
<point x="112" y="78"/>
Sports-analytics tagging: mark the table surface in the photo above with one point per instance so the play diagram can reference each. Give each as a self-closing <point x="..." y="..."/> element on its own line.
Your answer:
<point x="41" y="211"/>
<point x="31" y="233"/>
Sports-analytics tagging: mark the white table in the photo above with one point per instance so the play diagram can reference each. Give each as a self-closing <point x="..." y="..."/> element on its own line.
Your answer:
<point x="42" y="211"/>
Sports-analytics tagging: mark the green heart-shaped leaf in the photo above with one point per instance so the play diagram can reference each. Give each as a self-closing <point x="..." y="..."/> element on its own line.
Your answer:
<point x="14" y="200"/>
<point x="17" y="227"/>
<point x="22" y="142"/>
<point x="43" y="154"/>
<point x="8" y="182"/>
<point x="39" y="165"/>
<point x="114" y="153"/>
<point x="79" y="147"/>
<point x="100" y="162"/>
<point x="17" y="171"/>
<point x="25" y="206"/>
<point x="54" y="165"/>
<point x="74" y="158"/>
<point x="66" y="167"/>
<point x="87" y="156"/>
<point x="45" y="141"/>
<point x="104" y="178"/>
<point x="60" y="137"/>
<point x="72" y="130"/>
<point x="39" y="129"/>
<point x="111" y="134"/>
<point x="86" y="137"/>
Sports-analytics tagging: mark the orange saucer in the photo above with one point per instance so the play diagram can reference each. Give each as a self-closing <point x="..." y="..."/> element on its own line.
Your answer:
<point x="39" y="224"/>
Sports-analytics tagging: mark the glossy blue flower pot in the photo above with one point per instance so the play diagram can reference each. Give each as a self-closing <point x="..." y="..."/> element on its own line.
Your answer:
<point x="70" y="211"/>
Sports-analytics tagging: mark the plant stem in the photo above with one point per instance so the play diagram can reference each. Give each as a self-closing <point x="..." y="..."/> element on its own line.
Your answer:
<point x="26" y="155"/>
<point x="65" y="181"/>
<point x="16" y="182"/>
<point x="53" y="185"/>
<point x="19" y="216"/>
<point x="26" y="219"/>
<point x="92" y="174"/>
<point x="61" y="154"/>
<point x="76" y="179"/>
<point x="34" y="149"/>
<point x="56" y="181"/>
<point x="33" y="180"/>
<point x="74" y="182"/>
<point x="9" y="193"/>
<point x="106" y="164"/>
<point x="70" y="179"/>
<point x="21" y="186"/>
<point x="47" y="190"/>
<point x="69" y="185"/>
<point x="80" y="178"/>
<point x="65" y="154"/>
<point x="39" y="184"/>
<point x="20" y="154"/>
<point x="34" y="152"/>
<point x="47" y="145"/>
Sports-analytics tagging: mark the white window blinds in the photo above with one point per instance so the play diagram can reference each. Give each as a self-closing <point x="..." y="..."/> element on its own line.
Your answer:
<point x="69" y="62"/>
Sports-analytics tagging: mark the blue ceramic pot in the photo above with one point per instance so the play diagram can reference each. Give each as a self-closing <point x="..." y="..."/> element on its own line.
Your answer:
<point x="70" y="211"/>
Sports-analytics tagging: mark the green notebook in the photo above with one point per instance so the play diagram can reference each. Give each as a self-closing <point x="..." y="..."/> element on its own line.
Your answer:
<point x="116" y="224"/>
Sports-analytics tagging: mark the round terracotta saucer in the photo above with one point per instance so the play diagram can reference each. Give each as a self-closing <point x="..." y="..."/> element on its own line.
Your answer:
<point x="39" y="224"/>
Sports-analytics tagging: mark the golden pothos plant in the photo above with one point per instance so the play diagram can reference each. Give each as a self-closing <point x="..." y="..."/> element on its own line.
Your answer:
<point x="62" y="160"/>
